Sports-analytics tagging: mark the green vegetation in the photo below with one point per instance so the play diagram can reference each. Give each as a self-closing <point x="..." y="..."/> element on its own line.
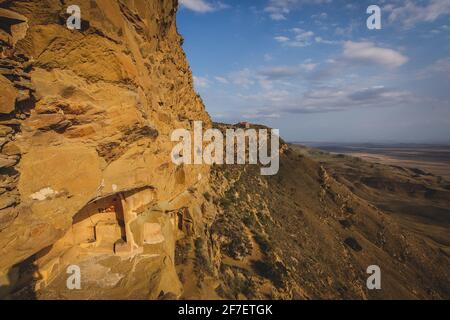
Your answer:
<point x="202" y="265"/>
<point x="182" y="249"/>
<point x="236" y="282"/>
<point x="273" y="270"/>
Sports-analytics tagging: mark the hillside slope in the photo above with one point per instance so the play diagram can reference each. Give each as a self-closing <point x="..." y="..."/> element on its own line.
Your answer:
<point x="87" y="181"/>
<point x="418" y="200"/>
<point x="302" y="234"/>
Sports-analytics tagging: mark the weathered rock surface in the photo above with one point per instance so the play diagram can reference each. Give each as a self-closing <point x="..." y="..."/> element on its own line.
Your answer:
<point x="8" y="97"/>
<point x="86" y="114"/>
<point x="86" y="179"/>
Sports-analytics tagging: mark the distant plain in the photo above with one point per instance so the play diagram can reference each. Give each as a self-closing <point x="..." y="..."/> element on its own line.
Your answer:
<point x="411" y="182"/>
<point x="427" y="157"/>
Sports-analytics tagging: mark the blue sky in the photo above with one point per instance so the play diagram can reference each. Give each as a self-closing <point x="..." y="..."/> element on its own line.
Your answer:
<point x="313" y="69"/>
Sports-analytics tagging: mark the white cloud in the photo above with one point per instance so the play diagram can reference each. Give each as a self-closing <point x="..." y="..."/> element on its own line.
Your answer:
<point x="439" y="67"/>
<point x="409" y="13"/>
<point x="201" y="82"/>
<point x="301" y="34"/>
<point x="221" y="80"/>
<point x="367" y="52"/>
<point x="268" y="57"/>
<point x="301" y="38"/>
<point x="269" y="77"/>
<point x="261" y="115"/>
<point x="282" y="39"/>
<point x="242" y="77"/>
<point x="342" y="98"/>
<point x="202" y="6"/>
<point x="324" y="41"/>
<point x="276" y="13"/>
<point x="308" y="66"/>
<point x="325" y="99"/>
<point x="282" y="72"/>
<point x="322" y="15"/>
<point x="279" y="9"/>
<point x="345" y="31"/>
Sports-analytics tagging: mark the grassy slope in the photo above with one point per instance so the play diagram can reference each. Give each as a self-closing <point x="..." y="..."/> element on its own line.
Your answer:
<point x="303" y="234"/>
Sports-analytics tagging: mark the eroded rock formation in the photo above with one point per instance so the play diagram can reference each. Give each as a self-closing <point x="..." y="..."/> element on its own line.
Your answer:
<point x="86" y="118"/>
<point x="86" y="179"/>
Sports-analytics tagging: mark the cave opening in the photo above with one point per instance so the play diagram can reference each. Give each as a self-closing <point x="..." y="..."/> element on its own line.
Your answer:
<point x="100" y="224"/>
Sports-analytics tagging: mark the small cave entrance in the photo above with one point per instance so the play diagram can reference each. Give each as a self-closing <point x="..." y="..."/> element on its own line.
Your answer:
<point x="100" y="224"/>
<point x="104" y="226"/>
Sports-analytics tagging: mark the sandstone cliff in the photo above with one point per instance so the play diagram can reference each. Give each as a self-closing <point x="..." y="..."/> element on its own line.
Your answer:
<point x="86" y="180"/>
<point x="86" y="115"/>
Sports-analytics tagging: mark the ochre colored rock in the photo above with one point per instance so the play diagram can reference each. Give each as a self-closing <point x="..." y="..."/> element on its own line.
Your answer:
<point x="152" y="233"/>
<point x="15" y="24"/>
<point x="5" y="130"/>
<point x="7" y="162"/>
<point x="7" y="200"/>
<point x="87" y="180"/>
<point x="97" y="108"/>
<point x="8" y="95"/>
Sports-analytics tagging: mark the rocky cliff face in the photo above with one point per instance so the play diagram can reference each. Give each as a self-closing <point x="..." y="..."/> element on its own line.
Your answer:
<point x="86" y="180"/>
<point x="86" y="115"/>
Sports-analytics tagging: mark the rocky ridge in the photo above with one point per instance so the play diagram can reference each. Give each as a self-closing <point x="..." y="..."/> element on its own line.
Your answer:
<point x="87" y="179"/>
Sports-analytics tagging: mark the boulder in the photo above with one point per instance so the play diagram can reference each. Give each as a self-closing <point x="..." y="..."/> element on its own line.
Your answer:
<point x="5" y="131"/>
<point x="7" y="200"/>
<point x="8" y="96"/>
<point x="7" y="162"/>
<point x="13" y="24"/>
<point x="10" y="149"/>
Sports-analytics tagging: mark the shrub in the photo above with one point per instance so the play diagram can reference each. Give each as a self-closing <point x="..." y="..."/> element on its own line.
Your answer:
<point x="275" y="271"/>
<point x="263" y="242"/>
<point x="202" y="264"/>
<point x="207" y="196"/>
